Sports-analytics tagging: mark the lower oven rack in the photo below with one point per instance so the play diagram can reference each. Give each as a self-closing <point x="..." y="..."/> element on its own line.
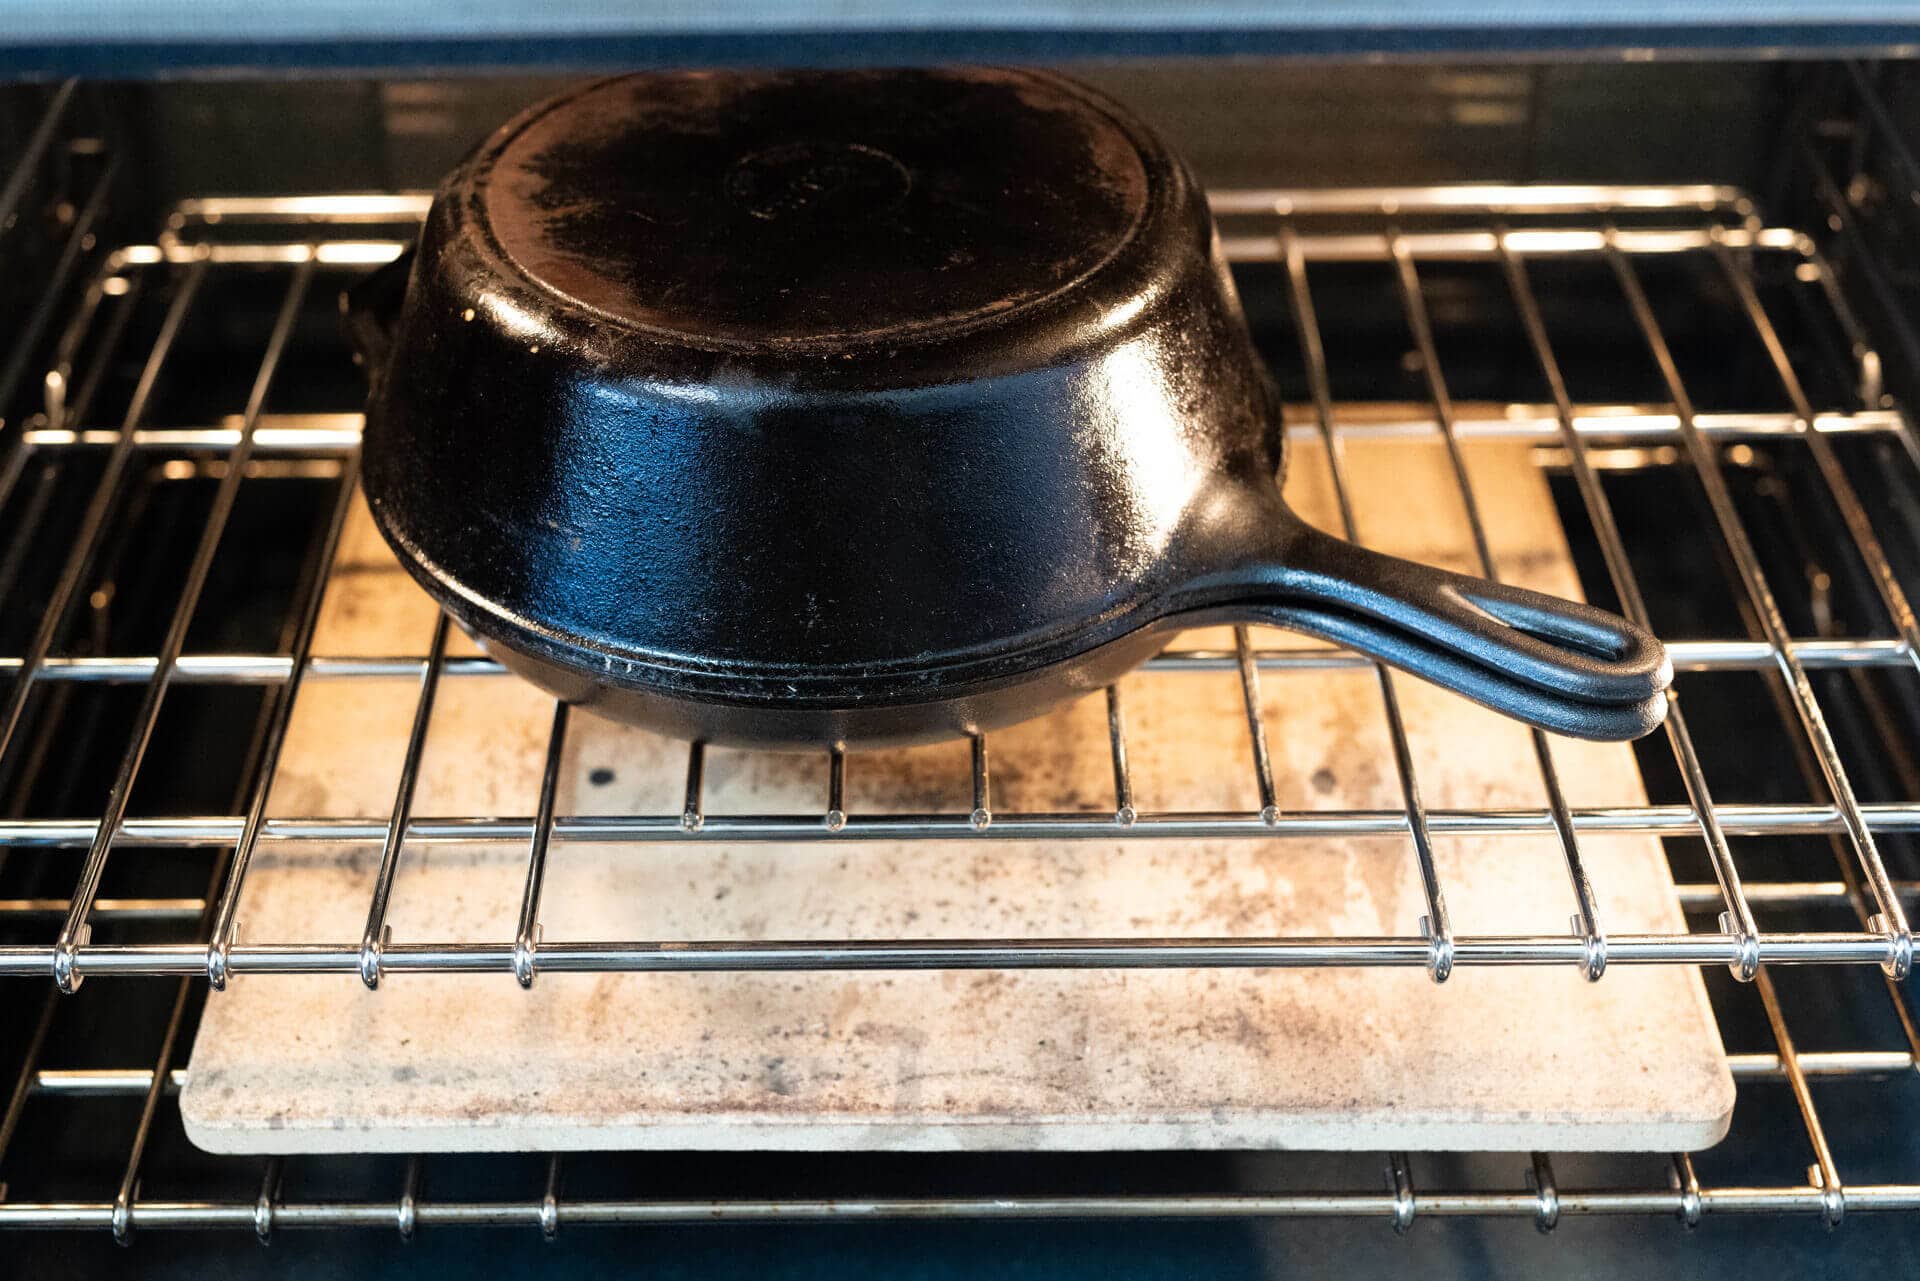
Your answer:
<point x="1512" y="231"/>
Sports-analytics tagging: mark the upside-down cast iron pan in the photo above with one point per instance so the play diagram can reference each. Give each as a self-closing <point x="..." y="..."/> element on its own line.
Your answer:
<point x="787" y="409"/>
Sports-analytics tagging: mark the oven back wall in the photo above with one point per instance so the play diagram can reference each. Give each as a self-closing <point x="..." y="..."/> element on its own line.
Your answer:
<point x="1238" y="123"/>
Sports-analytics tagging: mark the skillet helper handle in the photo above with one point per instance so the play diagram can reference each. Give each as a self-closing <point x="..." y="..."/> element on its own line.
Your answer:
<point x="1560" y="665"/>
<point x="370" y="309"/>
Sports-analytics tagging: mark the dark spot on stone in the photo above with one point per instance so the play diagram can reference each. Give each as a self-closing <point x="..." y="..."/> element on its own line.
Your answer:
<point x="405" y="1072"/>
<point x="1323" y="780"/>
<point x="600" y="777"/>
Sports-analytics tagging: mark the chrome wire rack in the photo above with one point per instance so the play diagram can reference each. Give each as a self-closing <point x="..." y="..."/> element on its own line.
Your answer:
<point x="320" y="234"/>
<point x="95" y="401"/>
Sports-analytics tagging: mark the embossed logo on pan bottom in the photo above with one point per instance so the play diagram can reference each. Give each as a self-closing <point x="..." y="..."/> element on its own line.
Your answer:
<point x="818" y="181"/>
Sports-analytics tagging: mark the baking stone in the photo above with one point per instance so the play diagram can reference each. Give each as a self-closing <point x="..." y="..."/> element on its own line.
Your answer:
<point x="1494" y="1059"/>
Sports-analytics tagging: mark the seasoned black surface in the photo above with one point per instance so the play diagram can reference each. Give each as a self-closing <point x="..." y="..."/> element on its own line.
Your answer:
<point x="761" y="409"/>
<point x="768" y="207"/>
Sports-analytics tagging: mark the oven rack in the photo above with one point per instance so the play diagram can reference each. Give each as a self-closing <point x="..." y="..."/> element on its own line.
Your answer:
<point x="1513" y="228"/>
<point x="317" y="232"/>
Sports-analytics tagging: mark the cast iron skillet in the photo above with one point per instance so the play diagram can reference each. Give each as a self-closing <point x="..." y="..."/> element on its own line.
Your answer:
<point x="785" y="409"/>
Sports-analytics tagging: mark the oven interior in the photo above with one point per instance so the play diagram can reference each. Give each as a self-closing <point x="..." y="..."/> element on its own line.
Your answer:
<point x="1496" y="251"/>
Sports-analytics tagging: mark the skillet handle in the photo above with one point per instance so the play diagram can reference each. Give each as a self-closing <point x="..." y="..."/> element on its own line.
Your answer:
<point x="370" y="309"/>
<point x="1601" y="722"/>
<point x="1557" y="664"/>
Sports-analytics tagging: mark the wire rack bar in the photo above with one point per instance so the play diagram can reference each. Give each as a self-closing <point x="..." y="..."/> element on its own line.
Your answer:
<point x="38" y="143"/>
<point x="107" y="909"/>
<point x="23" y="1082"/>
<point x="1839" y="488"/>
<point x="1846" y="221"/>
<point x="68" y="399"/>
<point x="93" y="524"/>
<point x="376" y="936"/>
<point x="75" y="929"/>
<point x="134" y="1082"/>
<point x="1866" y="543"/>
<point x="338" y="433"/>
<point x="273" y="669"/>
<point x="526" y="943"/>
<point x="1891" y="916"/>
<point x="1737" y="917"/>
<point x="1693" y="896"/>
<point x="1354" y="247"/>
<point x="226" y="919"/>
<point x="1256" y="723"/>
<point x="78" y="242"/>
<point x="1824" y="1174"/>
<point x="535" y="1214"/>
<point x="731" y="956"/>
<point x="1435" y="925"/>
<point x="1125" y="814"/>
<point x="1469" y="246"/>
<point x="332" y="209"/>
<point x="1586" y="916"/>
<point x="640" y="829"/>
<point x="1483" y="199"/>
<point x="1542" y="198"/>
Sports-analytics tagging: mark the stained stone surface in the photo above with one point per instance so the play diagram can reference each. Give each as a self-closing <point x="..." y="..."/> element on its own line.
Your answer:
<point x="1496" y="1058"/>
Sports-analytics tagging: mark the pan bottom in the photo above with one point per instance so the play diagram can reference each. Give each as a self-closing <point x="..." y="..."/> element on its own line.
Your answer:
<point x="956" y="711"/>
